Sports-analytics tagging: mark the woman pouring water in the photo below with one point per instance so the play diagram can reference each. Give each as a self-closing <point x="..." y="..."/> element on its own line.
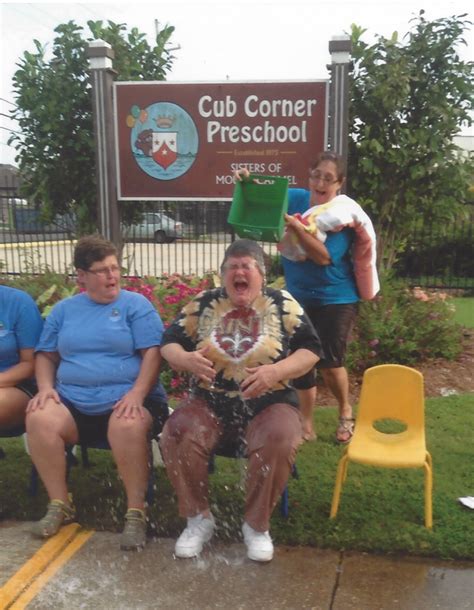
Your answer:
<point x="242" y="344"/>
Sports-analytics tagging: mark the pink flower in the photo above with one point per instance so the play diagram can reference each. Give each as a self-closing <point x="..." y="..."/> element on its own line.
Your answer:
<point x="374" y="342"/>
<point x="420" y="294"/>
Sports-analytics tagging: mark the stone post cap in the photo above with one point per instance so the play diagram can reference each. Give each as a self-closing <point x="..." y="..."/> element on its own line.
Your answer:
<point x="100" y="54"/>
<point x="340" y="49"/>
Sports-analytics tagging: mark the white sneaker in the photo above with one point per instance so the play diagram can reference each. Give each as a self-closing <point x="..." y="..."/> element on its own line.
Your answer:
<point x="259" y="544"/>
<point x="198" y="531"/>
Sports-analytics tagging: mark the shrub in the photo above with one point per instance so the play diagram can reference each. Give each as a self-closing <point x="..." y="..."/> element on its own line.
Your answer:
<point x="405" y="326"/>
<point x="37" y="285"/>
<point x="169" y="295"/>
<point x="400" y="325"/>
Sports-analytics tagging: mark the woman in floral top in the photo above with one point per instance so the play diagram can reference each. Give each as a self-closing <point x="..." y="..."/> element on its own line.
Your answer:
<point x="242" y="344"/>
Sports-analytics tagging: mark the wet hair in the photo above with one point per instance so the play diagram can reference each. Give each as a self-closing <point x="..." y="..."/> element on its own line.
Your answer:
<point x="92" y="249"/>
<point x="246" y="247"/>
<point x="338" y="161"/>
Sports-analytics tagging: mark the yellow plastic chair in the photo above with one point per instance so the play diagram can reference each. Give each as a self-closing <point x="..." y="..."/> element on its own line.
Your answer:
<point x="395" y="392"/>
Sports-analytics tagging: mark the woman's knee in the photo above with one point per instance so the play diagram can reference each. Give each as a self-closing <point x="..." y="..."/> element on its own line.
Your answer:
<point x="189" y="431"/>
<point x="129" y="429"/>
<point x="50" y="426"/>
<point x="44" y="421"/>
<point x="277" y="428"/>
<point x="190" y="421"/>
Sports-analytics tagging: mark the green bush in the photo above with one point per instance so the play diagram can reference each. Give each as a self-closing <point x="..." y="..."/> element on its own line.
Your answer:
<point x="404" y="326"/>
<point x="401" y="325"/>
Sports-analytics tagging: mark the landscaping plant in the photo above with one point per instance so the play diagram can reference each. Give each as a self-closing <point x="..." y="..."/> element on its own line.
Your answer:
<point x="404" y="326"/>
<point x="401" y="325"/>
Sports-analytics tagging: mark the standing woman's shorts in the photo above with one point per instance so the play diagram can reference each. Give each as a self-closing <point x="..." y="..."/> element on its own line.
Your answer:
<point x="333" y="323"/>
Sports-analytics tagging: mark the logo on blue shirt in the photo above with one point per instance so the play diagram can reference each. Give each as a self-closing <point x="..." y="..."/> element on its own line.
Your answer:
<point x="115" y="315"/>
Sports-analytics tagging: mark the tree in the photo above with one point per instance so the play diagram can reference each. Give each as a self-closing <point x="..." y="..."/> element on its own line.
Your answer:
<point x="56" y="150"/>
<point x="409" y="99"/>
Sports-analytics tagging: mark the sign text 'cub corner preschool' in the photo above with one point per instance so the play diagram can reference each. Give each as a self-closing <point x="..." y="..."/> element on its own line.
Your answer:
<point x="185" y="140"/>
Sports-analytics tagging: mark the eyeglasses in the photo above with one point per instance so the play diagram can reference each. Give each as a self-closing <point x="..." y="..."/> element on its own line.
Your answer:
<point x="328" y="179"/>
<point x="104" y="271"/>
<point x="236" y="266"/>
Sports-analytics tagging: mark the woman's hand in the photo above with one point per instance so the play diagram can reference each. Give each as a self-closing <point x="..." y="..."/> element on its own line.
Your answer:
<point x="195" y="362"/>
<point x="294" y="224"/>
<point x="241" y="175"/>
<point x="130" y="405"/>
<point x="260" y="379"/>
<point x="314" y="248"/>
<point x="39" y="400"/>
<point x="200" y="366"/>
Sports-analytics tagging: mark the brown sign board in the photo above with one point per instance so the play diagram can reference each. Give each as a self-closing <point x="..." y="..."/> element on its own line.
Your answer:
<point x="182" y="141"/>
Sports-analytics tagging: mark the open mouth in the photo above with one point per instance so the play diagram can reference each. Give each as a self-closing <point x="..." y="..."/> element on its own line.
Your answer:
<point x="320" y="192"/>
<point x="240" y="285"/>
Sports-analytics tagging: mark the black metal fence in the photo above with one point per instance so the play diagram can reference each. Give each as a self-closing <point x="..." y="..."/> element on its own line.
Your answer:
<point x="171" y="237"/>
<point x="191" y="237"/>
<point x="440" y="255"/>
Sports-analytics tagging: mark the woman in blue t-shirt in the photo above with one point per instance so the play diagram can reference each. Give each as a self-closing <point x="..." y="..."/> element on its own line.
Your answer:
<point x="97" y="366"/>
<point x="324" y="284"/>
<point x="20" y="329"/>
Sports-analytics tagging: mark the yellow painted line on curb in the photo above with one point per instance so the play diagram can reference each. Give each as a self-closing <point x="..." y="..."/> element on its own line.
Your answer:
<point x="32" y="244"/>
<point x="40" y="561"/>
<point x="28" y="594"/>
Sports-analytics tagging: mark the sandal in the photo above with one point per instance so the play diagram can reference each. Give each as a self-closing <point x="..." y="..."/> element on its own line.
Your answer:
<point x="345" y="427"/>
<point x="58" y="514"/>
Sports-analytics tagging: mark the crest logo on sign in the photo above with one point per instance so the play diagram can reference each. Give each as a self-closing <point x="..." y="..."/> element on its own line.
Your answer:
<point x="163" y="139"/>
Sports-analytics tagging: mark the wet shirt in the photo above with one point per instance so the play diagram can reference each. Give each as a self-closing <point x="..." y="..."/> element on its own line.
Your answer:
<point x="313" y="284"/>
<point x="273" y="327"/>
<point x="99" y="345"/>
<point x="20" y="325"/>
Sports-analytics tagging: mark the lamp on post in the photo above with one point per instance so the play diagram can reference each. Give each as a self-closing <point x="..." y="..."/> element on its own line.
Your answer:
<point x="340" y="49"/>
<point x="100" y="55"/>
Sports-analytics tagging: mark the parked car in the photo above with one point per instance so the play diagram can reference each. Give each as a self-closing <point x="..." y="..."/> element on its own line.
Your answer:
<point x="28" y="220"/>
<point x="157" y="226"/>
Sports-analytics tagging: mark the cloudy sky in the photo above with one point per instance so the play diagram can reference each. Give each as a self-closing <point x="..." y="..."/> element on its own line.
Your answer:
<point x="221" y="39"/>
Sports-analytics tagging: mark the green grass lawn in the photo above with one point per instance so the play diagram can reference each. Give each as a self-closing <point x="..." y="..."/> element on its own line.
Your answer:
<point x="380" y="511"/>
<point x="464" y="310"/>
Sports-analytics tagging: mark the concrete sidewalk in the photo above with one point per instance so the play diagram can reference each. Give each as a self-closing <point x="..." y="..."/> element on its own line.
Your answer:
<point x="99" y="575"/>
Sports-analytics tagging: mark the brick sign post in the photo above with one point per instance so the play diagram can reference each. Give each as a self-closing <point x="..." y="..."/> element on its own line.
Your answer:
<point x="100" y="55"/>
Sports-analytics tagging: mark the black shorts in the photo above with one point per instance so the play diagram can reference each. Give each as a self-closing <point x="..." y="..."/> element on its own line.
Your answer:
<point x="28" y="386"/>
<point x="93" y="428"/>
<point x="333" y="323"/>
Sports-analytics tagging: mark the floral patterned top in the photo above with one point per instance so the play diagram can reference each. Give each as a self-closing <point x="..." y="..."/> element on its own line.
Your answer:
<point x="272" y="328"/>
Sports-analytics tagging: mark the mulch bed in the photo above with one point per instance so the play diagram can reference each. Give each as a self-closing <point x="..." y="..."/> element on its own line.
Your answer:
<point x="442" y="377"/>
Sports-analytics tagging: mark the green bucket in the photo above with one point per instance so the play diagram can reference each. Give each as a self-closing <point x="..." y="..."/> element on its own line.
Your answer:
<point x="258" y="208"/>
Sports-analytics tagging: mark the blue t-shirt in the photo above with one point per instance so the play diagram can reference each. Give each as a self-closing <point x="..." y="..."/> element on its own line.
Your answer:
<point x="20" y="325"/>
<point x="98" y="347"/>
<point x="312" y="284"/>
